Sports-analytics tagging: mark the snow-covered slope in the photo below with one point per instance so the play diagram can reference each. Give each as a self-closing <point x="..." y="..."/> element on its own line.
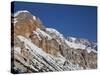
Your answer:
<point x="52" y="62"/>
<point x="73" y="42"/>
<point x="42" y="33"/>
<point x="56" y="33"/>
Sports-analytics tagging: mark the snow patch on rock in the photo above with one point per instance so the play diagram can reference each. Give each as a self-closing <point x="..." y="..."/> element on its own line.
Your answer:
<point x="42" y="33"/>
<point x="18" y="12"/>
<point x="34" y="17"/>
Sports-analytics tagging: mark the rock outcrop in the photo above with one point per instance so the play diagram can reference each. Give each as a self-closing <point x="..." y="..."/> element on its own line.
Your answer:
<point x="36" y="48"/>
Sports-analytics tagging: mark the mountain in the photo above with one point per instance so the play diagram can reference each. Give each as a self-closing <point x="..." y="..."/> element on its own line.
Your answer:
<point x="36" y="48"/>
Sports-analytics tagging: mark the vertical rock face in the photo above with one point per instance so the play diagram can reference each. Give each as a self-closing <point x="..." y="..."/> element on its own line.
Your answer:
<point x="39" y="49"/>
<point x="25" y="23"/>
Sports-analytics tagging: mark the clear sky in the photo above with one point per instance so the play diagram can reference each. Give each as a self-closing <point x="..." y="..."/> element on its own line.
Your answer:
<point x="70" y="20"/>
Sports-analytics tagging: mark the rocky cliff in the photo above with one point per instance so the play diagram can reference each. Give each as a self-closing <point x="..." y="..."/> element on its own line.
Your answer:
<point x="36" y="48"/>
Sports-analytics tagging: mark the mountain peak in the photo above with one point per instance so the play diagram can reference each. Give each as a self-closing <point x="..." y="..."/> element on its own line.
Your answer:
<point x="20" y="12"/>
<point x="25" y="23"/>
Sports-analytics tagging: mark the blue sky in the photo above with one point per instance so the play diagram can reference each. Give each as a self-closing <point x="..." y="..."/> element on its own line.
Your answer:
<point x="70" y="20"/>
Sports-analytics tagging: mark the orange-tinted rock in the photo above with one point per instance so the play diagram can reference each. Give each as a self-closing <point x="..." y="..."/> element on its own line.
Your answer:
<point x="26" y="24"/>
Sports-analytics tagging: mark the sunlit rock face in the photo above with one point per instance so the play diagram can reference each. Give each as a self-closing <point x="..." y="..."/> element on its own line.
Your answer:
<point x="39" y="49"/>
<point x="25" y="23"/>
